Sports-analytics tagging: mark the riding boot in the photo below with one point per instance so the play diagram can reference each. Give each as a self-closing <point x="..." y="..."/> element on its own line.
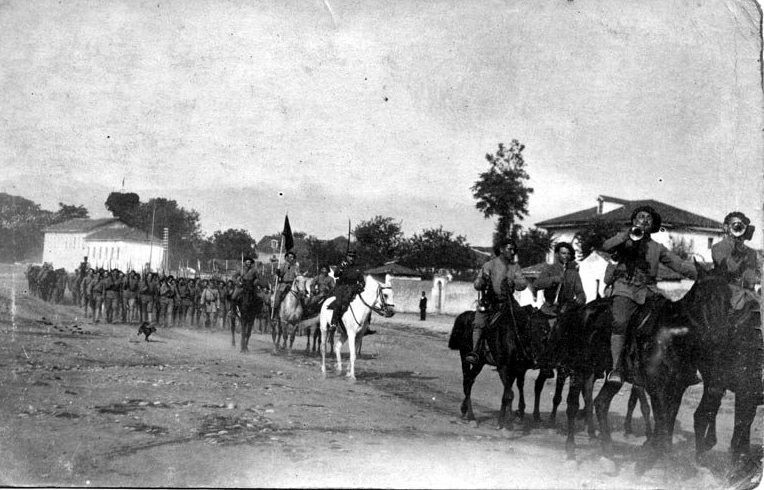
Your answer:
<point x="473" y="357"/>
<point x="617" y="344"/>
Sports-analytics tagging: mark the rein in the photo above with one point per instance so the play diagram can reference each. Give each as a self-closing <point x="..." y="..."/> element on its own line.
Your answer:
<point x="378" y="310"/>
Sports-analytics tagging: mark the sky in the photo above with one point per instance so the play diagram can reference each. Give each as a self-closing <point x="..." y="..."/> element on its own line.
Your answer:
<point x="332" y="110"/>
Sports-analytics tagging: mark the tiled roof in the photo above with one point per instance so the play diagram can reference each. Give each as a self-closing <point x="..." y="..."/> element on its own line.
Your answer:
<point x="79" y="225"/>
<point x="394" y="269"/>
<point x="672" y="217"/>
<point x="121" y="234"/>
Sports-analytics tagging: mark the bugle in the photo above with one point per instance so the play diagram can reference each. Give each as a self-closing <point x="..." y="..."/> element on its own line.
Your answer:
<point x="636" y="234"/>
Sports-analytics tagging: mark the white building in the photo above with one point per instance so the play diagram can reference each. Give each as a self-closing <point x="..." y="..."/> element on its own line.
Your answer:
<point x="107" y="243"/>
<point x="698" y="232"/>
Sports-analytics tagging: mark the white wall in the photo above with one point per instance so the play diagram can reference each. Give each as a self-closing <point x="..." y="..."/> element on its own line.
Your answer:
<point x="123" y="255"/>
<point x="697" y="239"/>
<point x="64" y="249"/>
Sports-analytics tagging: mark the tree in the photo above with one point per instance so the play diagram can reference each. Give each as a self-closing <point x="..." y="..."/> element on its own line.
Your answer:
<point x="22" y="222"/>
<point x="379" y="240"/>
<point x="232" y="243"/>
<point x="501" y="191"/>
<point x="592" y="236"/>
<point x="533" y="246"/>
<point x="323" y="252"/>
<point x="185" y="237"/>
<point x="125" y="206"/>
<point x="438" y="249"/>
<point x="69" y="211"/>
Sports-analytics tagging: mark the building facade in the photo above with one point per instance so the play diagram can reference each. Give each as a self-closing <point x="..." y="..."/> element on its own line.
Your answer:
<point x="698" y="233"/>
<point x="107" y="243"/>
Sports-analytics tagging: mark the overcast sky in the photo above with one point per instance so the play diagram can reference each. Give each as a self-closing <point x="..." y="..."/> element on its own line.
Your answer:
<point x="244" y="110"/>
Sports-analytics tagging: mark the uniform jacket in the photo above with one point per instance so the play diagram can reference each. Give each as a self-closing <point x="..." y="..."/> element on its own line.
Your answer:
<point x="498" y="270"/>
<point x="567" y="280"/>
<point x="736" y="261"/>
<point x="637" y="270"/>
<point x="324" y="284"/>
<point x="288" y="272"/>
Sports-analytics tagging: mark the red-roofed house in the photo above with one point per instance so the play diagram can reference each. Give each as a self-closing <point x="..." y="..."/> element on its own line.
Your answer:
<point x="697" y="231"/>
<point x="107" y="243"/>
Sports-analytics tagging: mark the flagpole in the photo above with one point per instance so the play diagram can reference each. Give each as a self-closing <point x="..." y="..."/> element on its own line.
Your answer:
<point x="276" y="283"/>
<point x="151" y="241"/>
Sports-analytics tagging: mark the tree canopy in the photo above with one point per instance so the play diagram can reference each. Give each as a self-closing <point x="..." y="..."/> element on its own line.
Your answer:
<point x="593" y="235"/>
<point x="437" y="248"/>
<point x="533" y="246"/>
<point x="22" y="223"/>
<point x="501" y="191"/>
<point x="183" y="225"/>
<point x="378" y="240"/>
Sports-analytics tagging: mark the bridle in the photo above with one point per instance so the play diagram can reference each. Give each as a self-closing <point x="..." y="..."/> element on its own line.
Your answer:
<point x="384" y="308"/>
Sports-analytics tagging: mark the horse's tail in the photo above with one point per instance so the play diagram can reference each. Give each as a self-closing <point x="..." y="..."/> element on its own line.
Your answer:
<point x="462" y="330"/>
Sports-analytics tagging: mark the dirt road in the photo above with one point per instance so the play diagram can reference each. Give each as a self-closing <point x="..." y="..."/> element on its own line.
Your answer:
<point x="94" y="405"/>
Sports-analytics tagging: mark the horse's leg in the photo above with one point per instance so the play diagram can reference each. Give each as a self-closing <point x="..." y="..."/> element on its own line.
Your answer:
<point x="745" y="411"/>
<point x="246" y="331"/>
<point x="520" y="381"/>
<point x="602" y="407"/>
<point x="588" y="389"/>
<point x="704" y="418"/>
<point x="351" y="348"/>
<point x="324" y="340"/>
<point x="338" y="353"/>
<point x="630" y="405"/>
<point x="274" y="336"/>
<point x="233" y="331"/>
<point x="557" y="398"/>
<point x="644" y="407"/>
<point x="538" y="387"/>
<point x="574" y="392"/>
<point x="469" y="374"/>
<point x="507" y="379"/>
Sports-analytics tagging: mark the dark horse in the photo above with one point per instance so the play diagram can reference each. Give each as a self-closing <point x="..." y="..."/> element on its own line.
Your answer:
<point x="669" y="344"/>
<point x="728" y="352"/>
<point x="503" y="351"/>
<point x="577" y="347"/>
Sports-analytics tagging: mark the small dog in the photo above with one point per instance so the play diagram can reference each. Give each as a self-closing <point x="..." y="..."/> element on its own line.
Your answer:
<point x="146" y="330"/>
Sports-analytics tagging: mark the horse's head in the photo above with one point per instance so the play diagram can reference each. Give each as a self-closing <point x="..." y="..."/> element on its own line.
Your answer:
<point x="707" y="302"/>
<point x="383" y="299"/>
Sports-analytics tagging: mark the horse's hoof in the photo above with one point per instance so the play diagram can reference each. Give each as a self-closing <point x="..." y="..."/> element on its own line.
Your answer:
<point x="520" y="415"/>
<point x="536" y="418"/>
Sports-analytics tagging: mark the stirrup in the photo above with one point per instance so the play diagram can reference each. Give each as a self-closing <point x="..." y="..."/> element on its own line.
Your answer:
<point x="472" y="357"/>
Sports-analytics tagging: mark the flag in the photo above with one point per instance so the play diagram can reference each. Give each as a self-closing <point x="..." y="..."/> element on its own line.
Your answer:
<point x="287" y="234"/>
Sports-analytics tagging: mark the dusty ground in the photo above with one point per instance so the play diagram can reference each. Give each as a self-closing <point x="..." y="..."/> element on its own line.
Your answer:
<point x="94" y="405"/>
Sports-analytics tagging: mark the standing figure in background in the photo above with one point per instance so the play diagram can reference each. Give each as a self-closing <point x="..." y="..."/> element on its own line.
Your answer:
<point x="423" y="307"/>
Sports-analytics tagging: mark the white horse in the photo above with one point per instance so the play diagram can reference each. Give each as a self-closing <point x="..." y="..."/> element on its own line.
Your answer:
<point x="374" y="297"/>
<point x="289" y="314"/>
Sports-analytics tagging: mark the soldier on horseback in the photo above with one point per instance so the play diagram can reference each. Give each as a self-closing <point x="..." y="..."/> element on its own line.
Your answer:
<point x="287" y="273"/>
<point x="498" y="279"/>
<point x="636" y="274"/>
<point x="563" y="295"/>
<point x="323" y="286"/>
<point x="737" y="261"/>
<point x="350" y="281"/>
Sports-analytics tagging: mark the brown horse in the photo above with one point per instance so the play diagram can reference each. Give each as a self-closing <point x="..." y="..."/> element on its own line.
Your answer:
<point x="502" y="351"/>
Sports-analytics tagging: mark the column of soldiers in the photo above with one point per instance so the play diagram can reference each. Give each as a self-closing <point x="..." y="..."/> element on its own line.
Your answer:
<point x="154" y="297"/>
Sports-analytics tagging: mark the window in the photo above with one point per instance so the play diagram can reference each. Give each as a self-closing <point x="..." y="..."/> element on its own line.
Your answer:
<point x="710" y="242"/>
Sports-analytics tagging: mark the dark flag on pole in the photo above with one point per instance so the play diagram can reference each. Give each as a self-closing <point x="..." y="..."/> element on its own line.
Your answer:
<point x="287" y="234"/>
